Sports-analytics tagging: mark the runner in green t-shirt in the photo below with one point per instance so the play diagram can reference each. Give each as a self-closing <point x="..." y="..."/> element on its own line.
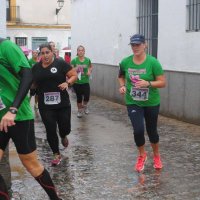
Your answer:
<point x="81" y="87"/>
<point x="16" y="117"/>
<point x="140" y="76"/>
<point x="35" y="58"/>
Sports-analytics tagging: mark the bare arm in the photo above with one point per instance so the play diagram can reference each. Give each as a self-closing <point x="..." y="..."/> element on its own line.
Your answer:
<point x="72" y="77"/>
<point x="90" y="70"/>
<point x="160" y="82"/>
<point x="122" y="88"/>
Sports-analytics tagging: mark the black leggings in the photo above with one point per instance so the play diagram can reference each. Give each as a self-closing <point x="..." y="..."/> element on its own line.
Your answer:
<point x="137" y="116"/>
<point x="82" y="92"/>
<point x="52" y="118"/>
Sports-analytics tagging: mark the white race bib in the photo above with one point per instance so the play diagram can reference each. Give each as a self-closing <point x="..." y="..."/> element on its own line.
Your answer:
<point x="2" y="106"/>
<point x="52" y="98"/>
<point x="140" y="94"/>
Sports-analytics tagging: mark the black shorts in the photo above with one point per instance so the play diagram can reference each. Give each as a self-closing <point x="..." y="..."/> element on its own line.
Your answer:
<point x="23" y="136"/>
<point x="82" y="92"/>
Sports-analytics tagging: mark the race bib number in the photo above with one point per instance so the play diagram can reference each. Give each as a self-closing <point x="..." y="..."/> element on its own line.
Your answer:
<point x="52" y="98"/>
<point x="2" y="106"/>
<point x="140" y="94"/>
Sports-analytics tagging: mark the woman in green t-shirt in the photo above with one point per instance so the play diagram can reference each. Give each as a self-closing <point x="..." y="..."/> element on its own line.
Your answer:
<point x="81" y="87"/>
<point x="140" y="76"/>
<point x="35" y="58"/>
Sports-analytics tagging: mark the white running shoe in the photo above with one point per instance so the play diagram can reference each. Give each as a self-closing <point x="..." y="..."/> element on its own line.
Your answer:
<point x="86" y="110"/>
<point x="79" y="114"/>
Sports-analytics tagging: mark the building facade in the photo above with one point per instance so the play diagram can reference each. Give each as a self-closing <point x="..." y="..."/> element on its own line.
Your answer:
<point x="2" y="18"/>
<point x="172" y="29"/>
<point x="30" y="23"/>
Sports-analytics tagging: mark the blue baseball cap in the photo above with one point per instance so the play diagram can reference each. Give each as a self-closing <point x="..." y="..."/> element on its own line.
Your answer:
<point x="137" y="39"/>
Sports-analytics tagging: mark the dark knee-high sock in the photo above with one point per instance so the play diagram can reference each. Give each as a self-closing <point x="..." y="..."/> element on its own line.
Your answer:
<point x="3" y="190"/>
<point x="46" y="182"/>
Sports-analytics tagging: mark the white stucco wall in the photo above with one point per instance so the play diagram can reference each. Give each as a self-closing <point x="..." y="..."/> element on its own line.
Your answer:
<point x="177" y="49"/>
<point x="2" y="18"/>
<point x="44" y="12"/>
<point x="104" y="28"/>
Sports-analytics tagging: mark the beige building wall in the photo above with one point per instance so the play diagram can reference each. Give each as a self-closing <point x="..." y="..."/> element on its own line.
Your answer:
<point x="38" y="19"/>
<point x="44" y="12"/>
<point x="2" y="18"/>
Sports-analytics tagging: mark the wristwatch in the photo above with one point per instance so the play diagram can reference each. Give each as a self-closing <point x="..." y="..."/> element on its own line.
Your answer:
<point x="149" y="84"/>
<point x="13" y="110"/>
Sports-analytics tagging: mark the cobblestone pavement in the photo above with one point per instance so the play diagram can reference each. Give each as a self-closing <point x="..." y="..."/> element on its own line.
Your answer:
<point x="98" y="164"/>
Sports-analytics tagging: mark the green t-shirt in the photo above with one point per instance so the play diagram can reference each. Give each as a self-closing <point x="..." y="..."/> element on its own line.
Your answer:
<point x="31" y="62"/>
<point x="148" y="70"/>
<point x="12" y="60"/>
<point x="82" y="69"/>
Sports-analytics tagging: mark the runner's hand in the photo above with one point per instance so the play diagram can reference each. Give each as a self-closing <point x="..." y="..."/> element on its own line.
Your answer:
<point x="63" y="86"/>
<point x="141" y="83"/>
<point x="6" y="121"/>
<point x="89" y="72"/>
<point x="122" y="90"/>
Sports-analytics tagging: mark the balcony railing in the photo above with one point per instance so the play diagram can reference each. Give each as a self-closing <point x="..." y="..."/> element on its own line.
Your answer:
<point x="13" y="14"/>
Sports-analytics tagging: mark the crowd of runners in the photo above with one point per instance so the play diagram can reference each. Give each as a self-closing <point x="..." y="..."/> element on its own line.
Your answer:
<point x="47" y="77"/>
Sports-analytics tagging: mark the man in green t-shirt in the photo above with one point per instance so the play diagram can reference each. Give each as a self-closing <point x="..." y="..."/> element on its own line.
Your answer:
<point x="140" y="76"/>
<point x="16" y="117"/>
<point x="81" y="87"/>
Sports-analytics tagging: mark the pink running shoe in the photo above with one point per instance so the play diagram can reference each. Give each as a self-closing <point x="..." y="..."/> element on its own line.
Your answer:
<point x="57" y="159"/>
<point x="139" y="166"/>
<point x="157" y="162"/>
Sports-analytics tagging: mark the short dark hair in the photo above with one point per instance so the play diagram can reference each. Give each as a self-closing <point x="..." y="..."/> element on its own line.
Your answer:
<point x="45" y="45"/>
<point x="80" y="46"/>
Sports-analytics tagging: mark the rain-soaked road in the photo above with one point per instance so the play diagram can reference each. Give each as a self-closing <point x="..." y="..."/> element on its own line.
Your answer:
<point x="98" y="164"/>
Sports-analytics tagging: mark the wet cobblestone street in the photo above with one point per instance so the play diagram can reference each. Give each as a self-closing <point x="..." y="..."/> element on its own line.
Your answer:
<point x="99" y="162"/>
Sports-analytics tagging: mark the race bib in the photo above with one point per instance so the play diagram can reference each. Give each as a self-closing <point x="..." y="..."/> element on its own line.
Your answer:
<point x="52" y="98"/>
<point x="140" y="94"/>
<point x="2" y="106"/>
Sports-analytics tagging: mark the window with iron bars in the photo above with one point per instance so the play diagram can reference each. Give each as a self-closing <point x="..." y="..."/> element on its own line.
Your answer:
<point x="37" y="41"/>
<point x="148" y="23"/>
<point x="21" y="41"/>
<point x="193" y="15"/>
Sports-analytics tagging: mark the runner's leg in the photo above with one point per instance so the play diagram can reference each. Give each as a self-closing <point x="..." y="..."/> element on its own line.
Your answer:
<point x="34" y="167"/>
<point x="3" y="188"/>
<point x="4" y="139"/>
<point x="50" y="121"/>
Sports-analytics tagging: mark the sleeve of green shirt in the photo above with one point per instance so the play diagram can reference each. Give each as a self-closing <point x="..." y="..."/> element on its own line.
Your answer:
<point x="73" y="62"/>
<point x="157" y="68"/>
<point x="14" y="56"/>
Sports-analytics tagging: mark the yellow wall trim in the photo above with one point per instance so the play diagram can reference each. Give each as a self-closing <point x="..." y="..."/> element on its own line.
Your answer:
<point x="12" y="2"/>
<point x="13" y="25"/>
